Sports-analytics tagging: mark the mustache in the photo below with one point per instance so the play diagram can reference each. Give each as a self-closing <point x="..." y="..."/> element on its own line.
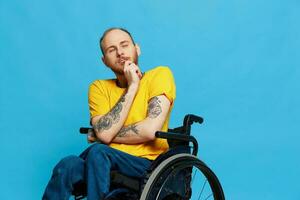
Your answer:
<point x="123" y="59"/>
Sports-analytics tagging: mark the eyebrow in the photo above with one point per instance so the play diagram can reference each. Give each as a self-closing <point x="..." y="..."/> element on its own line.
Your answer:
<point x="122" y="42"/>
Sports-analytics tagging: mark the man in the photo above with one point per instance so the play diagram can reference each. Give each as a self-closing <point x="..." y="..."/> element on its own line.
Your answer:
<point x="125" y="114"/>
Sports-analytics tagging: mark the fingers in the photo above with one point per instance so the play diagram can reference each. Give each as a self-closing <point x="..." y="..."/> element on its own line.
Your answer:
<point x="91" y="137"/>
<point x="130" y="67"/>
<point x="140" y="74"/>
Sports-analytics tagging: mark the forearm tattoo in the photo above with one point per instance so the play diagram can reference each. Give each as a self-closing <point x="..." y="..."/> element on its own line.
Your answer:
<point x="110" y="118"/>
<point x="154" y="108"/>
<point x="126" y="129"/>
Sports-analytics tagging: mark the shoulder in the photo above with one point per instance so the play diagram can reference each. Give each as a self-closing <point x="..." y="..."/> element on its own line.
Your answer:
<point x="160" y="69"/>
<point x="160" y="75"/>
<point x="161" y="81"/>
<point x="163" y="71"/>
<point x="101" y="84"/>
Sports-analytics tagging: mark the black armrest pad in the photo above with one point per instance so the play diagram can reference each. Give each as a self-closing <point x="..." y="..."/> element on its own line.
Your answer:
<point x="84" y="130"/>
<point x="185" y="139"/>
<point x="173" y="136"/>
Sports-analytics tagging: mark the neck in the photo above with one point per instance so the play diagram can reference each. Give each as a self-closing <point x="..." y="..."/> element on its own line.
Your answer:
<point x="121" y="81"/>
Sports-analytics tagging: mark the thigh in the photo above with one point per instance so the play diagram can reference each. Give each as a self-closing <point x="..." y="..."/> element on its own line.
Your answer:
<point x="128" y="164"/>
<point x="120" y="161"/>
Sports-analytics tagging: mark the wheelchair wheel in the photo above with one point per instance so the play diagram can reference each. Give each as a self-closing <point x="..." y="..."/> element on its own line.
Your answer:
<point x="182" y="177"/>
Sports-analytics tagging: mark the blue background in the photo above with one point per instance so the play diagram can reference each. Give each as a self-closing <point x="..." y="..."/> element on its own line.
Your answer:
<point x="236" y="63"/>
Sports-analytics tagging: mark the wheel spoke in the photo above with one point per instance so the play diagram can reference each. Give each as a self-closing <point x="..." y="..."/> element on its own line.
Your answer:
<point x="203" y="186"/>
<point x="194" y="176"/>
<point x="165" y="181"/>
<point x="208" y="196"/>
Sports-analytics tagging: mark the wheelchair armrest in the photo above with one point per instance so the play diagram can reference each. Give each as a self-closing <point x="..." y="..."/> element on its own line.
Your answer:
<point x="180" y="137"/>
<point x="165" y="135"/>
<point x="189" y="119"/>
<point x="85" y="130"/>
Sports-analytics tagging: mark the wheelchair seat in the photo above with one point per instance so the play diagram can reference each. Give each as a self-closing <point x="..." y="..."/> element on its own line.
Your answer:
<point x="169" y="176"/>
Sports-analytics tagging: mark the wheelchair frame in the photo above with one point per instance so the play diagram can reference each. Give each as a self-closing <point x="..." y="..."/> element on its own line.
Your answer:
<point x="166" y="165"/>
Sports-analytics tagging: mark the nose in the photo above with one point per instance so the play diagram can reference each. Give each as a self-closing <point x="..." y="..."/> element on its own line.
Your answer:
<point x="119" y="52"/>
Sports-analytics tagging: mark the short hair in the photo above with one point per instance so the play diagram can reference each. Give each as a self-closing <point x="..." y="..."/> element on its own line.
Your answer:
<point x="111" y="29"/>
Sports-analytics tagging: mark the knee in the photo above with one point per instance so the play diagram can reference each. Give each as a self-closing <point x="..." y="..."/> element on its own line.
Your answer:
<point x="97" y="150"/>
<point x="67" y="164"/>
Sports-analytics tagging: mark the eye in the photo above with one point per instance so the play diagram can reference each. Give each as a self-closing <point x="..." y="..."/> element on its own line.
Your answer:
<point x="125" y="45"/>
<point x="110" y="50"/>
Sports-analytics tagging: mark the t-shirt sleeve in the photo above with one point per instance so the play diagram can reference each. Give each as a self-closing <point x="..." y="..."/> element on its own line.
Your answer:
<point x="98" y="101"/>
<point x="163" y="83"/>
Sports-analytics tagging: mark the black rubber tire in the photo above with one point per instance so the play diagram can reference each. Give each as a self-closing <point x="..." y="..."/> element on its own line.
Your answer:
<point x="177" y="162"/>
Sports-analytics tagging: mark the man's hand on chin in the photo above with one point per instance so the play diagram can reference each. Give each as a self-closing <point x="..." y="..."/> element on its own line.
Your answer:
<point x="132" y="73"/>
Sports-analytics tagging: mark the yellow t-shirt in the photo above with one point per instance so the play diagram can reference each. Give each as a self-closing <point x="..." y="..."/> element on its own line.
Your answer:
<point x="104" y="94"/>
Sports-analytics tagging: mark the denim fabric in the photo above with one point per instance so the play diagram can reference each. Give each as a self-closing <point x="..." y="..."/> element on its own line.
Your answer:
<point x="93" y="167"/>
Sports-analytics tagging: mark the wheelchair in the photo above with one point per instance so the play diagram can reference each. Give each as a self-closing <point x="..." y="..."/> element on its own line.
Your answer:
<point x="174" y="175"/>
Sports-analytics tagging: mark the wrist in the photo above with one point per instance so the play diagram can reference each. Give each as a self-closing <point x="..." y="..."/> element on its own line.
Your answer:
<point x="133" y="88"/>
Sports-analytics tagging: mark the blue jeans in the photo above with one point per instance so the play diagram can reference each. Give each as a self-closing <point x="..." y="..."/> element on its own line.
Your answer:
<point x="93" y="167"/>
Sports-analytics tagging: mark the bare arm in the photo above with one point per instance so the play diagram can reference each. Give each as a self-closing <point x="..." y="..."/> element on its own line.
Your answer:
<point x="144" y="131"/>
<point x="107" y="126"/>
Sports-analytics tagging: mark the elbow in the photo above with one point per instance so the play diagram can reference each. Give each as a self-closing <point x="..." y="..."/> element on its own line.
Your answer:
<point x="151" y="129"/>
<point x="106" y="141"/>
<point x="151" y="135"/>
<point x="104" y="138"/>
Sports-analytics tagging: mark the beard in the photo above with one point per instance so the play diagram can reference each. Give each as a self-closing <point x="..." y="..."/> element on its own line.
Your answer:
<point x="118" y="69"/>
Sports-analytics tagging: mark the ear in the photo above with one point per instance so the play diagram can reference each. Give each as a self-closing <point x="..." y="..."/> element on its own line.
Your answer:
<point x="138" y="49"/>
<point x="103" y="60"/>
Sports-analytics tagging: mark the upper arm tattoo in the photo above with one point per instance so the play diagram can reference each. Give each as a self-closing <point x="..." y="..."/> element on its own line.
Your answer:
<point x="110" y="118"/>
<point x="154" y="107"/>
